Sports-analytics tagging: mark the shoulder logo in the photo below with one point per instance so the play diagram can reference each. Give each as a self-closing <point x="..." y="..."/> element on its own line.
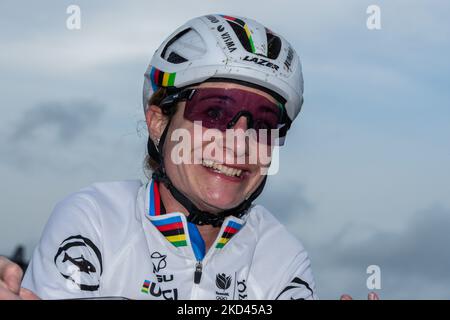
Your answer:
<point x="300" y="293"/>
<point x="79" y="260"/>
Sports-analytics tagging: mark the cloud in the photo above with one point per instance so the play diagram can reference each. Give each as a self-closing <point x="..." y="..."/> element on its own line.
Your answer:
<point x="414" y="262"/>
<point x="286" y="199"/>
<point x="70" y="120"/>
<point x="51" y="135"/>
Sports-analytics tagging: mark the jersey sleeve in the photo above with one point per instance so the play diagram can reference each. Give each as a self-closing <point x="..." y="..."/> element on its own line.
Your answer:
<point x="297" y="282"/>
<point x="67" y="262"/>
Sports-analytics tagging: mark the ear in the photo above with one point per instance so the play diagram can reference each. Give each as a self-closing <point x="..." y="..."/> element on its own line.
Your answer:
<point x="156" y="121"/>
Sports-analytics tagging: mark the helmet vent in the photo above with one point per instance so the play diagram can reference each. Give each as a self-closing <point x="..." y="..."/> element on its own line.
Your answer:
<point x="176" y="58"/>
<point x="171" y="41"/>
<point x="273" y="45"/>
<point x="242" y="35"/>
<point x="186" y="45"/>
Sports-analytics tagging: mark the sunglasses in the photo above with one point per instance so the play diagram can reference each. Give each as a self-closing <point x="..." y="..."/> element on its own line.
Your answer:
<point x="220" y="108"/>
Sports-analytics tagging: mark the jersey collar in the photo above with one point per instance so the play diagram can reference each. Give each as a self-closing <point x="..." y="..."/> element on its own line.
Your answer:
<point x="174" y="226"/>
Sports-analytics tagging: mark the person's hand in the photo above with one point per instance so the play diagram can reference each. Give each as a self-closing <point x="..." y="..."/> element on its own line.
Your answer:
<point x="371" y="296"/>
<point x="10" y="279"/>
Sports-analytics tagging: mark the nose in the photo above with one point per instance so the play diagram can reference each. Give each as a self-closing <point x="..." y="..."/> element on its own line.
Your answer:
<point x="240" y="143"/>
<point x="242" y="123"/>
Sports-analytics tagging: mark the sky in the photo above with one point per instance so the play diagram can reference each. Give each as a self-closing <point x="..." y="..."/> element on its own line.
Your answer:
<point x="365" y="173"/>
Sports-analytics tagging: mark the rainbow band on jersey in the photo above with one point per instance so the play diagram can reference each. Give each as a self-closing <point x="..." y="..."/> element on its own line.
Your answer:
<point x="230" y="230"/>
<point x="171" y="228"/>
<point x="154" y="200"/>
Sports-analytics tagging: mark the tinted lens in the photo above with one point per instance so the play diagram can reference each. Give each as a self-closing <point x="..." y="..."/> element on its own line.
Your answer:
<point x="218" y="107"/>
<point x="213" y="110"/>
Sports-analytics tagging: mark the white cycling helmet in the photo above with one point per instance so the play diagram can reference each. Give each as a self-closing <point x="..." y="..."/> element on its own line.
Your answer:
<point x="225" y="47"/>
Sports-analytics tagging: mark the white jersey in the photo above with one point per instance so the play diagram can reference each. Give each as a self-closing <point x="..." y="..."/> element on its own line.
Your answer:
<point x="113" y="240"/>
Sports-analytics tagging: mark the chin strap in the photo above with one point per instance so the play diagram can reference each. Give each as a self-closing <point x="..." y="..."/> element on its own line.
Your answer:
<point x="200" y="217"/>
<point x="196" y="216"/>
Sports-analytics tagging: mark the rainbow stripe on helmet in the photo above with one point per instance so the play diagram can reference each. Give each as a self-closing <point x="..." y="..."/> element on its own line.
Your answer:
<point x="161" y="79"/>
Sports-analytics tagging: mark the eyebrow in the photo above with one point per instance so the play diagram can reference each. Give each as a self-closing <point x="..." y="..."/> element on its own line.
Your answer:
<point x="270" y="109"/>
<point x="216" y="96"/>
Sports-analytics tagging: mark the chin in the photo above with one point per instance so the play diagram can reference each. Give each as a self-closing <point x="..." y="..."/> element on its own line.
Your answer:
<point x="217" y="190"/>
<point x="219" y="198"/>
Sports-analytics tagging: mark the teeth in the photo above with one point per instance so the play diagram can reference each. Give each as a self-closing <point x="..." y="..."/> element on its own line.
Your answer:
<point x="221" y="168"/>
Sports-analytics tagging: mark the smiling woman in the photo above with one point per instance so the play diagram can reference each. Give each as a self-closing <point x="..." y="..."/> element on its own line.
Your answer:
<point x="231" y="88"/>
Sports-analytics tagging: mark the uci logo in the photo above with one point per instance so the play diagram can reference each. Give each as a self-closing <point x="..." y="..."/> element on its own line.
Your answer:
<point x="155" y="290"/>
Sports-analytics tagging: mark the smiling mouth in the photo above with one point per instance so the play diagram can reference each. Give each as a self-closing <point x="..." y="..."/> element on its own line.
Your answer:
<point x="223" y="169"/>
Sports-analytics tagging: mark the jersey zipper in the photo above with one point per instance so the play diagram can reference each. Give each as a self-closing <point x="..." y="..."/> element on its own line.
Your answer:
<point x="198" y="272"/>
<point x="200" y="264"/>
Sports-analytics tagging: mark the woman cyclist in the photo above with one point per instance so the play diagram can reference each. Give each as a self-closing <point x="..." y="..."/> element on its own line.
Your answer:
<point x="219" y="94"/>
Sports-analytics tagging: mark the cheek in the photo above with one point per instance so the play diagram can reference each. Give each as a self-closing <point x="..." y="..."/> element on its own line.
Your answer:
<point x="261" y="154"/>
<point x="179" y="140"/>
<point x="264" y="149"/>
<point x="256" y="179"/>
